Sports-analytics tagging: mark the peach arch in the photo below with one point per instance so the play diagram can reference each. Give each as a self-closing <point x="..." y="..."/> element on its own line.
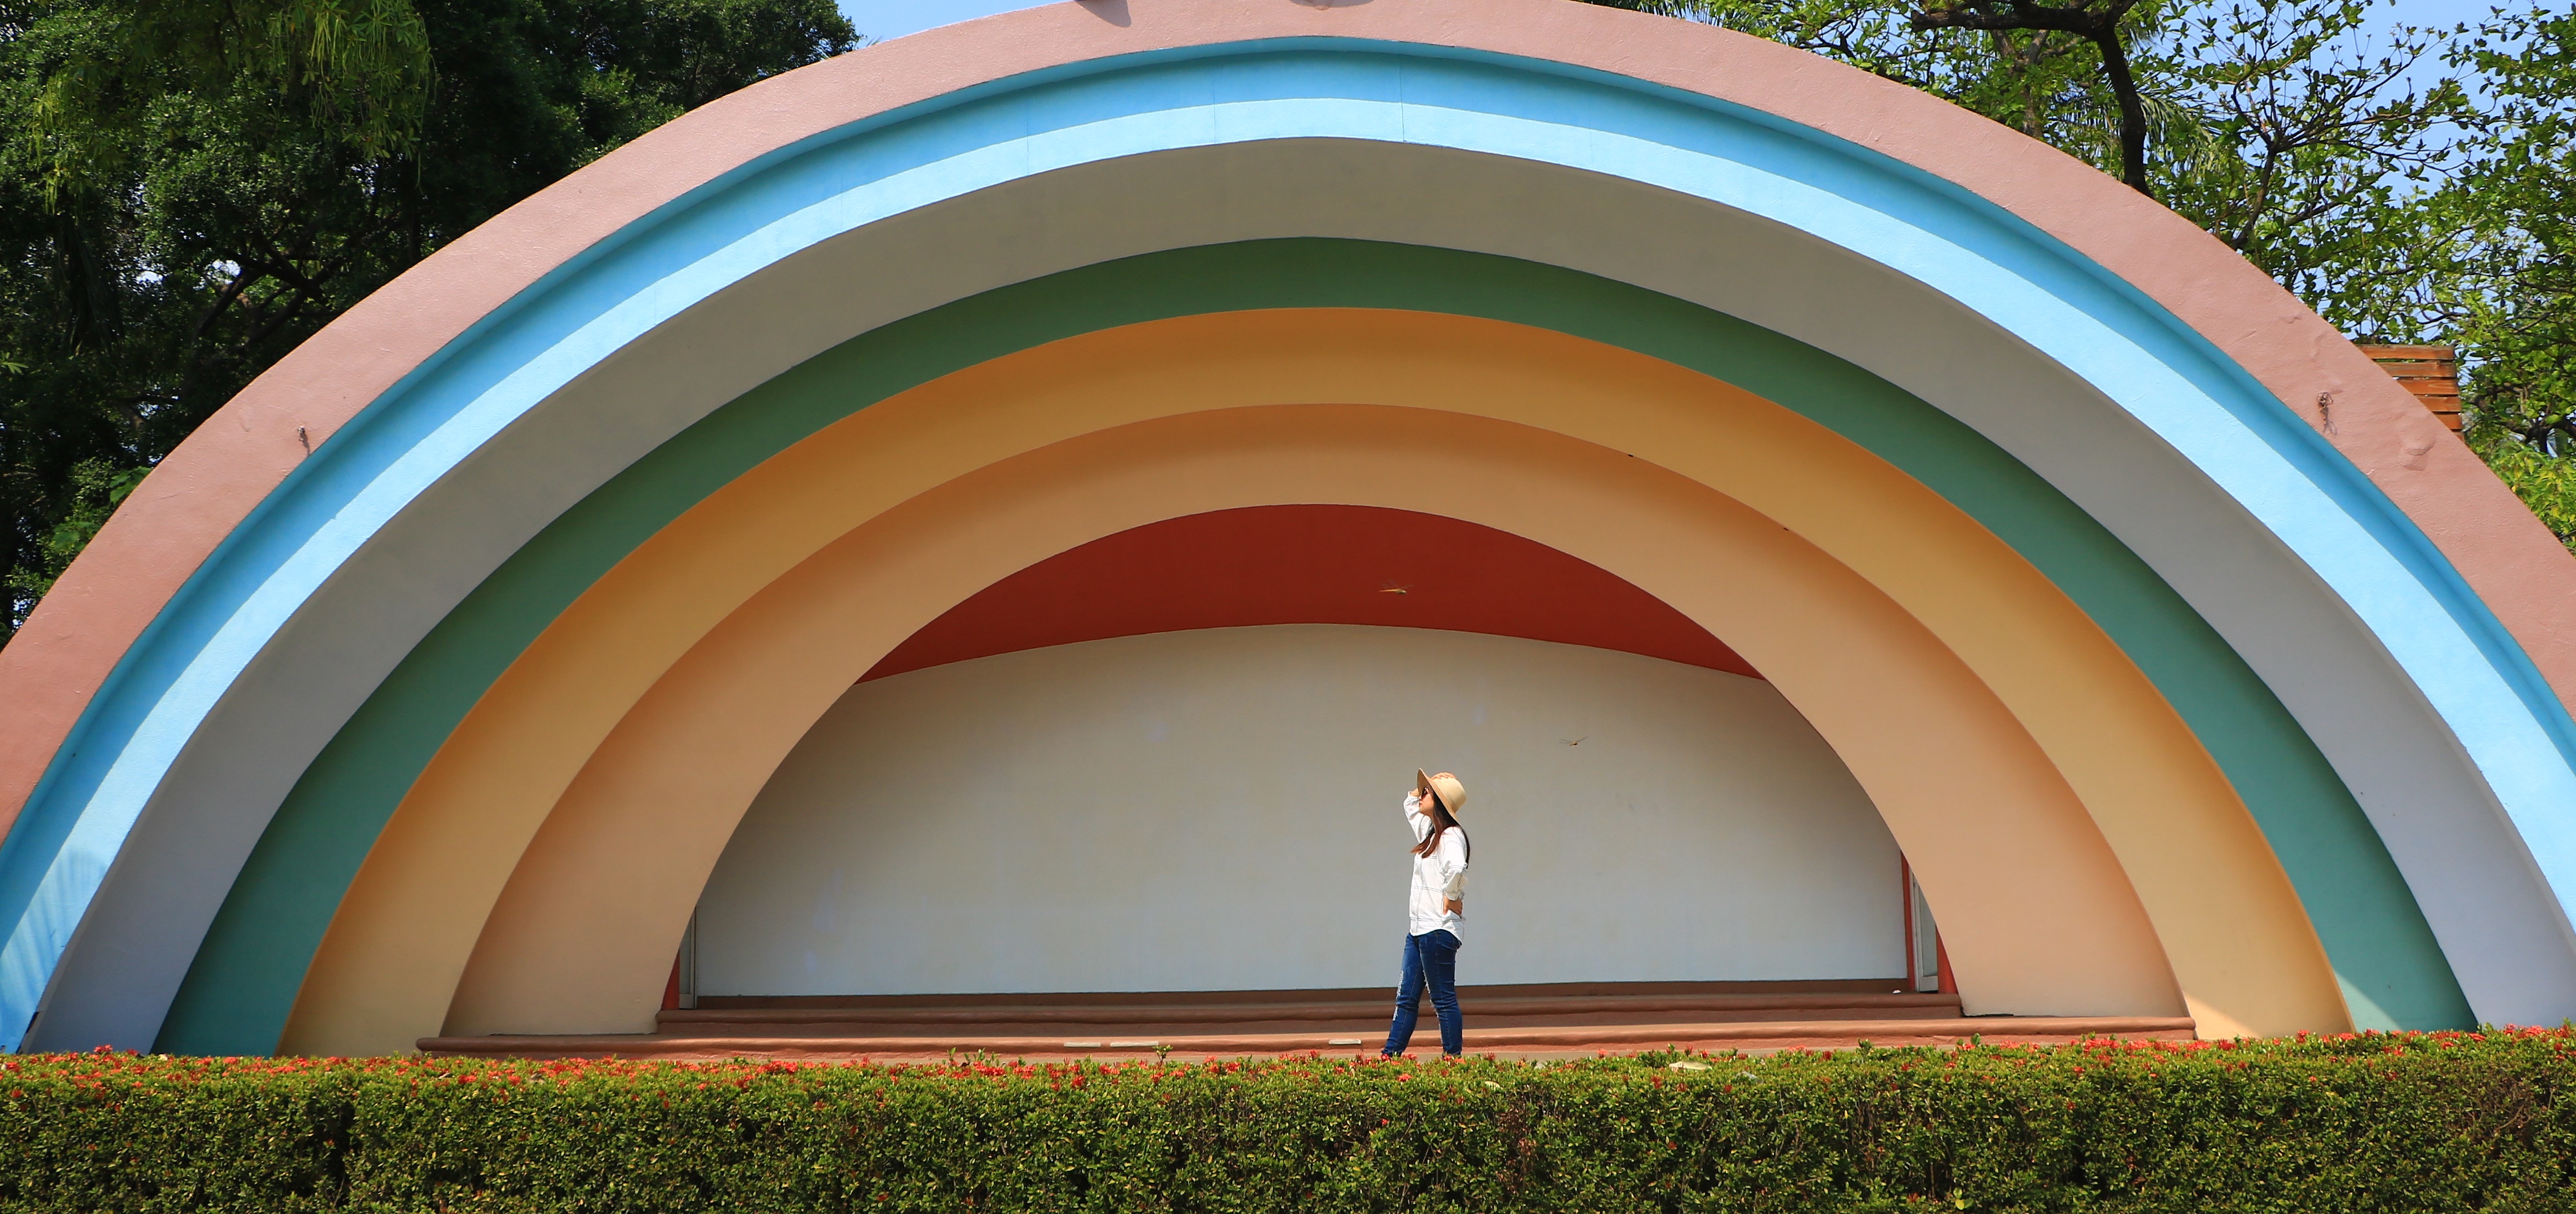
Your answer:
<point x="2134" y="763"/>
<point x="1940" y="752"/>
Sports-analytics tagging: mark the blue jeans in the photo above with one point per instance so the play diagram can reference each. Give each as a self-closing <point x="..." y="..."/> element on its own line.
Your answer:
<point x="1429" y="959"/>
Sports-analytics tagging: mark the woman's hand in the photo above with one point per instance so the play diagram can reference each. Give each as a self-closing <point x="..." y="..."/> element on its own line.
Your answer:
<point x="1455" y="905"/>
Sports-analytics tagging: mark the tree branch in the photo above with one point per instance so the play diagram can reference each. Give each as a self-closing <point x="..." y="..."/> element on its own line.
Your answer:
<point x="2098" y="24"/>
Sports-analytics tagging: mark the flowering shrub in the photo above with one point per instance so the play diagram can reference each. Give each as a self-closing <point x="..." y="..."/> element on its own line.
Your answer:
<point x="2443" y="1121"/>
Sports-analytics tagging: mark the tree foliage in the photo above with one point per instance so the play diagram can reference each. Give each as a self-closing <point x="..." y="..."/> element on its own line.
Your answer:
<point x="2098" y="24"/>
<point x="191" y="187"/>
<point x="2314" y="151"/>
<point x="2513" y="210"/>
<point x="2510" y="221"/>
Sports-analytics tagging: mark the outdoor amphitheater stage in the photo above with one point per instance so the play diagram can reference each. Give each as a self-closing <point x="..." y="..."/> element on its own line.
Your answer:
<point x="1556" y="1020"/>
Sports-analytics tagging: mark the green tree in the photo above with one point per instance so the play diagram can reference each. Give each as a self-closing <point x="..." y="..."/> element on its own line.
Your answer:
<point x="2317" y="154"/>
<point x="2514" y="206"/>
<point x="195" y="186"/>
<point x="2511" y="213"/>
<point x="2107" y="26"/>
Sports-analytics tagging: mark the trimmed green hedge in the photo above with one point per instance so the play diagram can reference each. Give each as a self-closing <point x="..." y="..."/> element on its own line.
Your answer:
<point x="2444" y="1121"/>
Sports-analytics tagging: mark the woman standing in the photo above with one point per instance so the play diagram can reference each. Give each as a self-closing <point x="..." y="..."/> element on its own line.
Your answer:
<point x="1438" y="902"/>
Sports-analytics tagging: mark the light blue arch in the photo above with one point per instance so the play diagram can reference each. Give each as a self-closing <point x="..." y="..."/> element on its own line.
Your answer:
<point x="2168" y="378"/>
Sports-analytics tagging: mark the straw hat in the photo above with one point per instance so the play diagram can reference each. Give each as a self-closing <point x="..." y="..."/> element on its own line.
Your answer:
<point x="1452" y="793"/>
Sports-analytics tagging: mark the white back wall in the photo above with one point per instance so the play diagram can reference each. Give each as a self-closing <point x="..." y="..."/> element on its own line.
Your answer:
<point x="1219" y="810"/>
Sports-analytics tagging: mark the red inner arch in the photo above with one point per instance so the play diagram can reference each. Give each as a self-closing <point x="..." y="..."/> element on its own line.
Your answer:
<point x="1310" y="565"/>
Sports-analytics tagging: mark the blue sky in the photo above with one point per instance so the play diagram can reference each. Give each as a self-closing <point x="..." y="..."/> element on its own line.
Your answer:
<point x="882" y="19"/>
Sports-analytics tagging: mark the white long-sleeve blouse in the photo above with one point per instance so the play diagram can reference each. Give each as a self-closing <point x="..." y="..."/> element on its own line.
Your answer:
<point x="1437" y="878"/>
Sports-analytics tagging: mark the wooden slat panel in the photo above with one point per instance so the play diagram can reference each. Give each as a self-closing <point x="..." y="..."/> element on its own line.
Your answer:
<point x="2432" y="373"/>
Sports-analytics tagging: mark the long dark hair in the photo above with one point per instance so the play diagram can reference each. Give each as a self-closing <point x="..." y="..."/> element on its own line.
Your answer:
<point x="1443" y="821"/>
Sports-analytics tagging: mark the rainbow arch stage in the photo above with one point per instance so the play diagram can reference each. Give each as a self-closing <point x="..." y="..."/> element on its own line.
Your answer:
<point x="2192" y="667"/>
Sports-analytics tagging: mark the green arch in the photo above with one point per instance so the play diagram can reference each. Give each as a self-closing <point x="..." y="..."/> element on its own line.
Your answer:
<point x="243" y="982"/>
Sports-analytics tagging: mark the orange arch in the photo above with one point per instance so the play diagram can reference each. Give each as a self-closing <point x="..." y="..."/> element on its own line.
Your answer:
<point x="2239" y="945"/>
<point x="634" y="839"/>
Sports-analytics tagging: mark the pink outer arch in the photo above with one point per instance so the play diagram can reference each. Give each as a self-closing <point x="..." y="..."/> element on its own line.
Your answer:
<point x="206" y="487"/>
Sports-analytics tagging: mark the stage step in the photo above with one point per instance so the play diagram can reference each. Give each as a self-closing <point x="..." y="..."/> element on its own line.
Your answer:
<point x="1508" y="1042"/>
<point x="1516" y="1021"/>
<point x="1266" y="1012"/>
